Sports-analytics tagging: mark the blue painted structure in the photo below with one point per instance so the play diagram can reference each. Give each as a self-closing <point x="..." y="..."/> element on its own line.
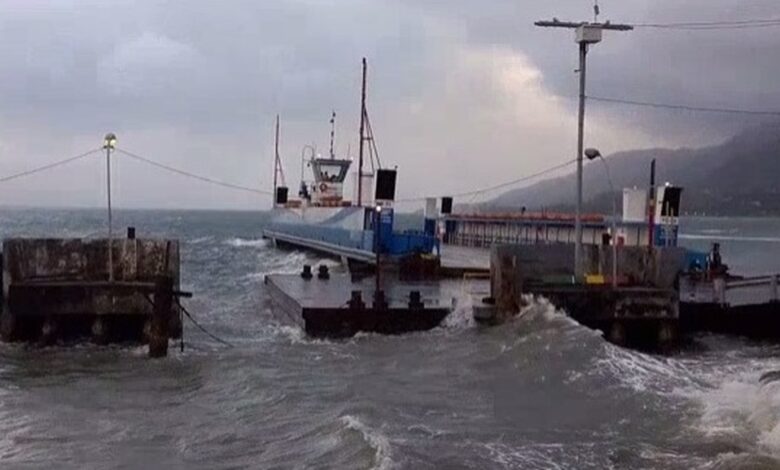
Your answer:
<point x="332" y="237"/>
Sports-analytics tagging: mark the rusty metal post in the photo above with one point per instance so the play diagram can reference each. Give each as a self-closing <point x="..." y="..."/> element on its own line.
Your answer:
<point x="163" y="303"/>
<point x="506" y="285"/>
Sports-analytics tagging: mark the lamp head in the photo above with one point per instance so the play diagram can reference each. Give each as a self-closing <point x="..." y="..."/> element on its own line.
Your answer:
<point x="378" y="209"/>
<point x="592" y="153"/>
<point x="109" y="142"/>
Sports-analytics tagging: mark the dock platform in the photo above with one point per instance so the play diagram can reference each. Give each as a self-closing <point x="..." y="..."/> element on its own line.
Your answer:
<point x="340" y="306"/>
<point x="745" y="306"/>
<point x="454" y="261"/>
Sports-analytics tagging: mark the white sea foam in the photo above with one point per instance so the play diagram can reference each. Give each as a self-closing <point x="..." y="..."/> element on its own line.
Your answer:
<point x="375" y="439"/>
<point x="462" y="315"/>
<point x="243" y="242"/>
<point x="740" y="408"/>
<point x="543" y="456"/>
<point x="642" y="372"/>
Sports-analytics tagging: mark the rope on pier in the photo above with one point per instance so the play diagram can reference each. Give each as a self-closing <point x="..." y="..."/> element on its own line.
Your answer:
<point x="201" y="328"/>
<point x="194" y="322"/>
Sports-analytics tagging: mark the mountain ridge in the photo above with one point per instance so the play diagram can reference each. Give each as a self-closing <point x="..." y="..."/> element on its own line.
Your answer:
<point x="738" y="177"/>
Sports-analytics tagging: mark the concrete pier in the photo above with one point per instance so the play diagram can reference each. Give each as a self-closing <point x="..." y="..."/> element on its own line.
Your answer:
<point x="642" y="309"/>
<point x="60" y="289"/>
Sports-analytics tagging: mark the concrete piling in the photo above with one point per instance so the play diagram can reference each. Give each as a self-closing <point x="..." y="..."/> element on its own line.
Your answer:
<point x="506" y="284"/>
<point x="56" y="289"/>
<point x="163" y="303"/>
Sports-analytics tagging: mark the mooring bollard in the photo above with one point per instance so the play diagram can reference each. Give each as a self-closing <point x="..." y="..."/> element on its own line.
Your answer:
<point x="163" y="303"/>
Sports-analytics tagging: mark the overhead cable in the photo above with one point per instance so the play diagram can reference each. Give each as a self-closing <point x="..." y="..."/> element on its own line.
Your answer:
<point x="48" y="166"/>
<point x="713" y="25"/>
<point x="498" y="186"/>
<point x="683" y="107"/>
<point x="188" y="174"/>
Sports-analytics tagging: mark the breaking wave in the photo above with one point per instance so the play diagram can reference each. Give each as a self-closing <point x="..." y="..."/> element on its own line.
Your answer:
<point x="376" y="440"/>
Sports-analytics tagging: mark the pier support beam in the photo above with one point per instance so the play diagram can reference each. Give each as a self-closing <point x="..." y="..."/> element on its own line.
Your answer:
<point x="49" y="331"/>
<point x="667" y="334"/>
<point x="7" y="326"/>
<point x="506" y="285"/>
<point x="99" y="330"/>
<point x="617" y="333"/>
<point x="163" y="303"/>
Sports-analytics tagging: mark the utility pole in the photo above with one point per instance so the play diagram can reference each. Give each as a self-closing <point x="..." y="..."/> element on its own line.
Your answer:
<point x="109" y="143"/>
<point x="585" y="34"/>
<point x="362" y="135"/>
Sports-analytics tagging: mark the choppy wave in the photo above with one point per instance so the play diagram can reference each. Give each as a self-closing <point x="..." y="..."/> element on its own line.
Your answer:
<point x="375" y="439"/>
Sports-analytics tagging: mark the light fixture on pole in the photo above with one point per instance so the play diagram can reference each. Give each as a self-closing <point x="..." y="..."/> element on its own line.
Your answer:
<point x="109" y="144"/>
<point x="585" y="34"/>
<point x="592" y="154"/>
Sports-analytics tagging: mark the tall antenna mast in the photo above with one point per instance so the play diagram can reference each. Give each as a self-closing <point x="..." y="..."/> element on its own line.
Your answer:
<point x="585" y="35"/>
<point x="277" y="161"/>
<point x="362" y="134"/>
<point x="332" y="134"/>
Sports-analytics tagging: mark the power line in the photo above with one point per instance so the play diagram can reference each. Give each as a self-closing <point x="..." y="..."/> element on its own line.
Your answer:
<point x="499" y="186"/>
<point x="193" y="175"/>
<point x="48" y="166"/>
<point x="713" y="25"/>
<point x="683" y="107"/>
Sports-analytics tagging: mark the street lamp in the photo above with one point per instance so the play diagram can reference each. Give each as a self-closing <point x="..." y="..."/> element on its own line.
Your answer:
<point x="109" y="144"/>
<point x="593" y="154"/>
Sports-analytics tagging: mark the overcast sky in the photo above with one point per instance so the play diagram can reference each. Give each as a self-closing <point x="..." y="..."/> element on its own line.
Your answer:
<point x="462" y="93"/>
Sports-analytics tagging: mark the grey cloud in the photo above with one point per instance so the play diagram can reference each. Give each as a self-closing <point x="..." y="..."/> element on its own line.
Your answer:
<point x="198" y="82"/>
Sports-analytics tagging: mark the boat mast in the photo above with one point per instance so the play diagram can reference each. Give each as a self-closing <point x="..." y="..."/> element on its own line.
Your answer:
<point x="277" y="163"/>
<point x="362" y="135"/>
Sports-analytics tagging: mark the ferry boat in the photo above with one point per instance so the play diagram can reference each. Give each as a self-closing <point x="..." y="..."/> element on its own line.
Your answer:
<point x="358" y="230"/>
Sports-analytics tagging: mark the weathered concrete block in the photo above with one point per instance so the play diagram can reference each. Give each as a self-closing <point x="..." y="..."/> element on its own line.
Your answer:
<point x="63" y="276"/>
